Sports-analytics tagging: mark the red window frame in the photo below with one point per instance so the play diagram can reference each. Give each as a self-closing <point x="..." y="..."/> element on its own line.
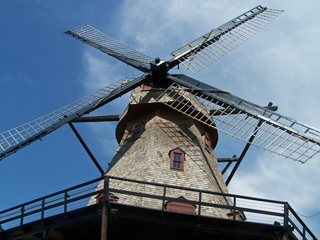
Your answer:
<point x="177" y="159"/>
<point x="111" y="197"/>
<point x="207" y="142"/>
<point x="147" y="86"/>
<point x="137" y="130"/>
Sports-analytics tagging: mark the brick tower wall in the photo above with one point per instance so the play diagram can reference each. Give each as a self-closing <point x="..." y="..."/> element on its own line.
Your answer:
<point x="147" y="159"/>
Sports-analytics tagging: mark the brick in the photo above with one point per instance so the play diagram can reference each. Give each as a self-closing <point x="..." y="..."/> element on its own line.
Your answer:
<point x="147" y="158"/>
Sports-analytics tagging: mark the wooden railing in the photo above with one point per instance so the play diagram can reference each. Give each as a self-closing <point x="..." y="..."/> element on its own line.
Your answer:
<point x="155" y="196"/>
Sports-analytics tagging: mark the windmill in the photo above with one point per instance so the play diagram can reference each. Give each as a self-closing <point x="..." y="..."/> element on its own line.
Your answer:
<point x="212" y="108"/>
<point x="277" y="133"/>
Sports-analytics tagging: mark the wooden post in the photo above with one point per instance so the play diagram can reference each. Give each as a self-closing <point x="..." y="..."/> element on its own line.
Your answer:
<point x="285" y="236"/>
<point x="104" y="213"/>
<point x="104" y="221"/>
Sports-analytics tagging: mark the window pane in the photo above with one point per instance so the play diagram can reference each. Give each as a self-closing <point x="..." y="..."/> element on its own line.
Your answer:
<point x="137" y="129"/>
<point x="207" y="139"/>
<point x="176" y="164"/>
<point x="177" y="156"/>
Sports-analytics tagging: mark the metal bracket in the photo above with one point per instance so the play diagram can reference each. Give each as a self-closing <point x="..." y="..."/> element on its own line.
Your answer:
<point x="86" y="148"/>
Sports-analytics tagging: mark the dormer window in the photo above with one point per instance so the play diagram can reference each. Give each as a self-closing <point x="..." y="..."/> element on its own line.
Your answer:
<point x="207" y="142"/>
<point x="147" y="86"/>
<point x="176" y="159"/>
<point x="180" y="207"/>
<point x="137" y="130"/>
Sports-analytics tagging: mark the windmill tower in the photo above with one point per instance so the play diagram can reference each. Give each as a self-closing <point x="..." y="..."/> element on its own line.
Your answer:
<point x="168" y="132"/>
<point x="158" y="144"/>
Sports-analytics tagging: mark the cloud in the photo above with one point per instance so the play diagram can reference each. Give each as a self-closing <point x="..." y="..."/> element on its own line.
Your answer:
<point x="167" y="25"/>
<point x="98" y="72"/>
<point x="282" y="179"/>
<point x="277" y="178"/>
<point x="104" y="133"/>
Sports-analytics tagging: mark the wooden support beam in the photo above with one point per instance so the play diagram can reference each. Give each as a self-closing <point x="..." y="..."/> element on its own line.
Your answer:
<point x="105" y="118"/>
<point x="105" y="209"/>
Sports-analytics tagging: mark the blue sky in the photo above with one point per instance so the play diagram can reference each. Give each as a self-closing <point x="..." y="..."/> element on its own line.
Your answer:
<point x="43" y="69"/>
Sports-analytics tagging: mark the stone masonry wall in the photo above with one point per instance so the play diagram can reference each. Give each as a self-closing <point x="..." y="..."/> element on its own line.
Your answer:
<point x="147" y="159"/>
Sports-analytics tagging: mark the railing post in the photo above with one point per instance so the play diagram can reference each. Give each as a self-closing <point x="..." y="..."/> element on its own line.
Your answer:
<point x="22" y="215"/>
<point x="199" y="210"/>
<point x="286" y="214"/>
<point x="164" y="197"/>
<point x="42" y="208"/>
<point x="234" y="208"/>
<point x="106" y="188"/>
<point x="104" y="217"/>
<point x="65" y="203"/>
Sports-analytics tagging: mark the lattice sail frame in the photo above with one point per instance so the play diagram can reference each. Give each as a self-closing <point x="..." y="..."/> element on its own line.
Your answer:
<point x="212" y="46"/>
<point x="277" y="134"/>
<point x="19" y="137"/>
<point x="93" y="37"/>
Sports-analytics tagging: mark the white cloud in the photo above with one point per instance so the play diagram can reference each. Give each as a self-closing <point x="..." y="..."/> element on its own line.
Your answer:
<point x="278" y="178"/>
<point x="98" y="71"/>
<point x="105" y="134"/>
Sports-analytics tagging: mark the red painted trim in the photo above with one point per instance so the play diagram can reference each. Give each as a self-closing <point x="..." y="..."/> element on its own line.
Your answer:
<point x="180" y="207"/>
<point x="207" y="142"/>
<point x="174" y="163"/>
<point x="137" y="130"/>
<point x="111" y="197"/>
<point x="147" y="86"/>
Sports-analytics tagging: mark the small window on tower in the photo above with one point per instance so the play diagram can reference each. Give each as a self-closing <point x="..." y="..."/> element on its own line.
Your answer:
<point x="177" y="159"/>
<point x="137" y="130"/>
<point x="147" y="86"/>
<point x="207" y="142"/>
